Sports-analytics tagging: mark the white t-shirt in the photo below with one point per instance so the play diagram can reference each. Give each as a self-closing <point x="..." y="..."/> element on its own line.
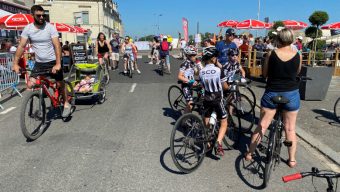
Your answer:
<point x="41" y="41"/>
<point x="13" y="49"/>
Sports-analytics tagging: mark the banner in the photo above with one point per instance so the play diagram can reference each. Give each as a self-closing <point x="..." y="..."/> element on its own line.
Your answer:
<point x="185" y="29"/>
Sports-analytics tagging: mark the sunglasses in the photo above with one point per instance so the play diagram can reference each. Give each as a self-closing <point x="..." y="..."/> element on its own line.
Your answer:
<point x="233" y="55"/>
<point x="40" y="15"/>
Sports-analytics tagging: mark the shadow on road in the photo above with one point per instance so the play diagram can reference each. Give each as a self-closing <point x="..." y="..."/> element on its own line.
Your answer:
<point x="326" y="116"/>
<point x="161" y="160"/>
<point x="168" y="112"/>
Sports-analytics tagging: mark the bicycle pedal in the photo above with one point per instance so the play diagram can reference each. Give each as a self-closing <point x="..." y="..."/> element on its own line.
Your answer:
<point x="262" y="148"/>
<point x="288" y="143"/>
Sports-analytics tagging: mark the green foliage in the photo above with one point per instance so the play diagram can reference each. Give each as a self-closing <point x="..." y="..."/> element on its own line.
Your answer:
<point x="146" y="38"/>
<point x="318" y="18"/>
<point x="319" y="46"/>
<point x="278" y="24"/>
<point x="319" y="56"/>
<point x="311" y="32"/>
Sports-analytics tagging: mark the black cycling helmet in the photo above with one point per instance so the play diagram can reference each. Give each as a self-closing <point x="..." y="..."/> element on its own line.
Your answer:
<point x="209" y="52"/>
<point x="230" y="32"/>
<point x="232" y="52"/>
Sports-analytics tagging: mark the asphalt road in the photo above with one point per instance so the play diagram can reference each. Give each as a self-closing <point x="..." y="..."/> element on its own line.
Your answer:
<point x="123" y="145"/>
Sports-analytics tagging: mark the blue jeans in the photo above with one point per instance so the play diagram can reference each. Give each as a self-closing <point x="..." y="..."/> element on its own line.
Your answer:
<point x="292" y="96"/>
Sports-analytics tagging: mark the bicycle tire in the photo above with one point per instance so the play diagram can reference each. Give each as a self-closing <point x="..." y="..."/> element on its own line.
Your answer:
<point x="102" y="94"/>
<point x="179" y="103"/>
<point x="130" y="69"/>
<point x="271" y="146"/>
<point x="246" y="114"/>
<point x="251" y="96"/>
<point x="161" y="71"/>
<point x="233" y="133"/>
<point x="193" y="139"/>
<point x="38" y="115"/>
<point x="337" y="109"/>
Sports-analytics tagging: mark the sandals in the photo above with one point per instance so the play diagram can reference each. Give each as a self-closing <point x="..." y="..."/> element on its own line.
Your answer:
<point x="291" y="163"/>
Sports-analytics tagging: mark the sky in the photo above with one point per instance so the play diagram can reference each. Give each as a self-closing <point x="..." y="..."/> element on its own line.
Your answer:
<point x="140" y="17"/>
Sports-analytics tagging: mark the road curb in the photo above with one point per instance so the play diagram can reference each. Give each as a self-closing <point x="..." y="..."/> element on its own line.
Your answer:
<point x="324" y="149"/>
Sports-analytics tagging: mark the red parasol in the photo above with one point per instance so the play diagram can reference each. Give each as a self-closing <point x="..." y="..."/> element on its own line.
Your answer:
<point x="251" y="24"/>
<point x="228" y="23"/>
<point x="269" y="25"/>
<point x="64" y="28"/>
<point x="295" y="25"/>
<point x="332" y="26"/>
<point x="16" y="21"/>
<point x="79" y="29"/>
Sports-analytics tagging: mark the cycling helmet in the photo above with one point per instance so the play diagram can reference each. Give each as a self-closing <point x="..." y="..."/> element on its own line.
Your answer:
<point x="232" y="52"/>
<point x="165" y="37"/>
<point x="190" y="50"/>
<point x="230" y="31"/>
<point x="209" y="52"/>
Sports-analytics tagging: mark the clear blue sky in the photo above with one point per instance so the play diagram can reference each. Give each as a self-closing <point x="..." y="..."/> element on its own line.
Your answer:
<point x="140" y="16"/>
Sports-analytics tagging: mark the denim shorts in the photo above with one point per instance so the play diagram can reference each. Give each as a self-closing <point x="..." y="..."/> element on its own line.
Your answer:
<point x="292" y="96"/>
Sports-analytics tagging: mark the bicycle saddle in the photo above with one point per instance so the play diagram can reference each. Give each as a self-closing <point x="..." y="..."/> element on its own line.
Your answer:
<point x="279" y="100"/>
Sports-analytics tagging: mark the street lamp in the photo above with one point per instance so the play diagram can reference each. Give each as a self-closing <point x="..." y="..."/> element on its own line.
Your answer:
<point x="159" y="15"/>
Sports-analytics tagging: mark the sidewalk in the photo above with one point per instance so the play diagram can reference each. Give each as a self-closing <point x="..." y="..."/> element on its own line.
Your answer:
<point x="316" y="123"/>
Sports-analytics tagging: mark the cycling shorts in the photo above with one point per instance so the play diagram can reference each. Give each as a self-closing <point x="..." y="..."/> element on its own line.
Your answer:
<point x="42" y="67"/>
<point x="187" y="92"/>
<point x="292" y="96"/>
<point x="217" y="106"/>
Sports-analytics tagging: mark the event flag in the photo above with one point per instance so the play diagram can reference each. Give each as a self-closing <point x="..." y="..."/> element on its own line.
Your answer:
<point x="185" y="29"/>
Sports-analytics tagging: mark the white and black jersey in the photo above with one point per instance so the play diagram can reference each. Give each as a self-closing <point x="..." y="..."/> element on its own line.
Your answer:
<point x="211" y="78"/>
<point x="229" y="70"/>
<point x="188" y="68"/>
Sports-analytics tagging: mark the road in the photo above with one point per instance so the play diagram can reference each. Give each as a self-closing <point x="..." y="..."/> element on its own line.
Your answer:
<point x="123" y="145"/>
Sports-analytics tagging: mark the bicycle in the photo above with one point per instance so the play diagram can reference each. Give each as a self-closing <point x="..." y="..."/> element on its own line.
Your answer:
<point x="176" y="98"/>
<point x="275" y="139"/>
<point x="36" y="98"/>
<point x="190" y="133"/>
<point x="161" y="67"/>
<point x="243" y="105"/>
<point x="337" y="109"/>
<point x="127" y="58"/>
<point x="106" y="71"/>
<point x="328" y="175"/>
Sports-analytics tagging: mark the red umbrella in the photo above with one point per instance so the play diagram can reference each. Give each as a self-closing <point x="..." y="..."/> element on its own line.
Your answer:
<point x="16" y="21"/>
<point x="79" y="29"/>
<point x="269" y="25"/>
<point x="295" y="25"/>
<point x="63" y="28"/>
<point x="228" y="23"/>
<point x="332" y="26"/>
<point x="251" y="24"/>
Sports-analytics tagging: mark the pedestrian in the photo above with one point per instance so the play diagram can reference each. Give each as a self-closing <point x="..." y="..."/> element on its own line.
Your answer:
<point x="115" y="44"/>
<point x="281" y="69"/>
<point x="165" y="52"/>
<point x="224" y="46"/>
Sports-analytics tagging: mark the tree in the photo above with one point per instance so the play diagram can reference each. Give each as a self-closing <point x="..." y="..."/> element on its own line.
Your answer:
<point x="317" y="19"/>
<point x="313" y="32"/>
<point x="146" y="38"/>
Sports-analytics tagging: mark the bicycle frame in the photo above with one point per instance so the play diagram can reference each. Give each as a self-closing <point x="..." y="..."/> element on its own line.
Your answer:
<point x="42" y="83"/>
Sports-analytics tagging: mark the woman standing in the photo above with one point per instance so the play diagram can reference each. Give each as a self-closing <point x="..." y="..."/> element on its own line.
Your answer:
<point x="103" y="48"/>
<point x="281" y="69"/>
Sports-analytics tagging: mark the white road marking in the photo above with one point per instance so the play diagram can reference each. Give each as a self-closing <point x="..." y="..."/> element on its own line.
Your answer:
<point x="7" y="110"/>
<point x="133" y="87"/>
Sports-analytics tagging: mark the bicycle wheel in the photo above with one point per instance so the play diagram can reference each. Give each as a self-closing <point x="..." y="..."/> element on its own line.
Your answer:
<point x="337" y="109"/>
<point x="233" y="133"/>
<point x="176" y="98"/>
<point x="33" y="115"/>
<point x="247" y="91"/>
<point x="271" y="146"/>
<point x="102" y="94"/>
<point x="246" y="113"/>
<point x="130" y="68"/>
<point x="161" y="70"/>
<point x="187" y="143"/>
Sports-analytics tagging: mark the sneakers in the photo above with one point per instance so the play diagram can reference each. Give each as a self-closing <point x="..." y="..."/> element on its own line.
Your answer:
<point x="219" y="149"/>
<point x="125" y="72"/>
<point x="66" y="112"/>
<point x="138" y="71"/>
<point x="150" y="62"/>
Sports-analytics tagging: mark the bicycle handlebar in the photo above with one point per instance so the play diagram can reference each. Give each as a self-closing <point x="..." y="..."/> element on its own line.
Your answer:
<point x="292" y="177"/>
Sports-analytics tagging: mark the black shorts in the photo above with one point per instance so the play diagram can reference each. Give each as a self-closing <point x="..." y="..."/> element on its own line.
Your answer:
<point x="42" y="67"/>
<point x="217" y="106"/>
<point x="187" y="92"/>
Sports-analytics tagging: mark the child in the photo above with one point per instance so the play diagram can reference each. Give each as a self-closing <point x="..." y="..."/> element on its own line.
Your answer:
<point x="85" y="85"/>
<point x="233" y="67"/>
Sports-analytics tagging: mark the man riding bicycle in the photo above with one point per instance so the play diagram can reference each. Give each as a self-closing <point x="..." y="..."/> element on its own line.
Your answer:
<point x="44" y="39"/>
<point x="212" y="81"/>
<point x="186" y="74"/>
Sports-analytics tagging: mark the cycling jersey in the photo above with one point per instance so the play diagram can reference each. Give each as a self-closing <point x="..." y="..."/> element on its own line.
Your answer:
<point x="188" y="68"/>
<point x="212" y="79"/>
<point x="229" y="70"/>
<point x="128" y="52"/>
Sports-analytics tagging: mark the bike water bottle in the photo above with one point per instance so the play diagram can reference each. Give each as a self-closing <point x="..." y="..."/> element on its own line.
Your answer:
<point x="212" y="120"/>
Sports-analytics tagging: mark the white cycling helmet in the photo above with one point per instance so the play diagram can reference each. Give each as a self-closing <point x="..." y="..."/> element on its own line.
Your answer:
<point x="190" y="50"/>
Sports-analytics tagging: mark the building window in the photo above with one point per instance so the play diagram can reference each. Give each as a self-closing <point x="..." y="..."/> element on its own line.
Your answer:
<point x="81" y="17"/>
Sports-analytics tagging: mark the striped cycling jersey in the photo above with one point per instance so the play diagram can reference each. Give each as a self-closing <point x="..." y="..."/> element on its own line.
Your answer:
<point x="211" y="79"/>
<point x="188" y="68"/>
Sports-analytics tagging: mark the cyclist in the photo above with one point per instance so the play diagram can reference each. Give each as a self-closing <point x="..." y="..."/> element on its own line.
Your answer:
<point x="186" y="74"/>
<point x="281" y="68"/>
<point x="127" y="50"/>
<point x="45" y="43"/>
<point x="103" y="48"/>
<point x="233" y="67"/>
<point x="164" y="52"/>
<point x="212" y="81"/>
<point x="224" y="46"/>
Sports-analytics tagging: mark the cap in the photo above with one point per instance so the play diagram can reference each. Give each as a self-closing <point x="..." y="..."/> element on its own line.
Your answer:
<point x="165" y="37"/>
<point x="300" y="37"/>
